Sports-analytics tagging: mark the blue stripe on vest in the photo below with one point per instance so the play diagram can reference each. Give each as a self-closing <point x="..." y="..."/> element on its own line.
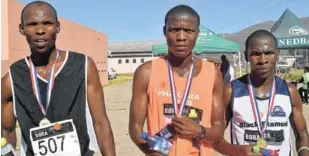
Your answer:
<point x="239" y="87"/>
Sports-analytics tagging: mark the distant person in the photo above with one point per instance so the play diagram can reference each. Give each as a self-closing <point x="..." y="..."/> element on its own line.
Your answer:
<point x="262" y="108"/>
<point x="303" y="90"/>
<point x="225" y="69"/>
<point x="197" y="87"/>
<point x="56" y="96"/>
<point x="232" y="73"/>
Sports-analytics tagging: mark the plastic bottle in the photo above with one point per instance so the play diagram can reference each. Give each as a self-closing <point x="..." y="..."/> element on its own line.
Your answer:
<point x="266" y="152"/>
<point x="156" y="143"/>
<point x="6" y="149"/>
<point x="167" y="132"/>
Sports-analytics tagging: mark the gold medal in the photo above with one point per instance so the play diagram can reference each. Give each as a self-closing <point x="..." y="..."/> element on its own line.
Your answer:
<point x="44" y="122"/>
<point x="261" y="143"/>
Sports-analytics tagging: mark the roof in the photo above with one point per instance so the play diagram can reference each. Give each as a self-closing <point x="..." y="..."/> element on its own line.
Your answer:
<point x="132" y="46"/>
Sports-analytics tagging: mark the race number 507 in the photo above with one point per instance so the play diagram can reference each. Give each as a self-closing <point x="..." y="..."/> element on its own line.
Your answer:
<point x="51" y="145"/>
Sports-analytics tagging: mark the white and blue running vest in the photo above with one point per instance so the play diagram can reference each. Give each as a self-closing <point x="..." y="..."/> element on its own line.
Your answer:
<point x="244" y="129"/>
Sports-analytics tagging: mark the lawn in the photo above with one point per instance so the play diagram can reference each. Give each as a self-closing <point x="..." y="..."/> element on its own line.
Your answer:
<point x="121" y="78"/>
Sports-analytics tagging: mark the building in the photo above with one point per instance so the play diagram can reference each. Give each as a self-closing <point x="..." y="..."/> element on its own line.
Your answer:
<point x="125" y="57"/>
<point x="72" y="37"/>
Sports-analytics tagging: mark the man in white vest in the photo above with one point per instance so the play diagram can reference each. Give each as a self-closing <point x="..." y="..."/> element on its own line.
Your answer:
<point x="262" y="107"/>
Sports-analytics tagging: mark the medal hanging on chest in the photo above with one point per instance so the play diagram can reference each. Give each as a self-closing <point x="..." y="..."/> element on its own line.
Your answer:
<point x="261" y="142"/>
<point x="173" y="88"/>
<point x="36" y="88"/>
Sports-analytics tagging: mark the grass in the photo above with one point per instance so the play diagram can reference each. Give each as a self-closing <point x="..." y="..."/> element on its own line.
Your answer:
<point x="121" y="78"/>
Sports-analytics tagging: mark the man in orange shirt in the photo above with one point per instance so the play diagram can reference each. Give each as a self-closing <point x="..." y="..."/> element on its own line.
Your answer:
<point x="178" y="81"/>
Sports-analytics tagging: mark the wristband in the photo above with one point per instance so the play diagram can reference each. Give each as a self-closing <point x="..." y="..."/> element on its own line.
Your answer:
<point x="301" y="148"/>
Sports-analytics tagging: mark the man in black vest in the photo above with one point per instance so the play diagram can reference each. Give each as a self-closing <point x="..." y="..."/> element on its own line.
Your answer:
<point x="56" y="96"/>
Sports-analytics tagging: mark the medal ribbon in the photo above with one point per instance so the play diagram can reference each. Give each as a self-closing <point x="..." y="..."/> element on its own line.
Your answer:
<point x="255" y="107"/>
<point x="35" y="85"/>
<point x="173" y="88"/>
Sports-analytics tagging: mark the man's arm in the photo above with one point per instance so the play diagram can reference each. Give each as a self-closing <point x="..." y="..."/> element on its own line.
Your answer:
<point x="302" y="139"/>
<point x="8" y="120"/>
<point x="139" y="106"/>
<point x="96" y="103"/>
<point x="216" y="131"/>
<point x="222" y="145"/>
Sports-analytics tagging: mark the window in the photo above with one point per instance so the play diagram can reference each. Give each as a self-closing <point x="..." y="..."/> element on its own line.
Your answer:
<point x="119" y="61"/>
<point x="127" y="60"/>
<point x="134" y="60"/>
<point x="142" y="60"/>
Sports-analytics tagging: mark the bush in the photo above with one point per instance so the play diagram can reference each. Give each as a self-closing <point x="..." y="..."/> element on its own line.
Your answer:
<point x="293" y="75"/>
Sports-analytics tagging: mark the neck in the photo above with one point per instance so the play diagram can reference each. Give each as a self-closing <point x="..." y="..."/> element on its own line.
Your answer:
<point x="259" y="82"/>
<point x="45" y="58"/>
<point x="180" y="62"/>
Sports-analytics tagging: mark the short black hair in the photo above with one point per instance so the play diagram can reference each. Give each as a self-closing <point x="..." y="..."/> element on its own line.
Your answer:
<point x="182" y="9"/>
<point x="260" y="33"/>
<point x="39" y="3"/>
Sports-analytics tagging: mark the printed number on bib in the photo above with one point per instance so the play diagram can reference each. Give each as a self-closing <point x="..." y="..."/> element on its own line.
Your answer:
<point x="48" y="141"/>
<point x="51" y="145"/>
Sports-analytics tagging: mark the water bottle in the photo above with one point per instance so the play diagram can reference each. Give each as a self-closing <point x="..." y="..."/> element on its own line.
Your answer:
<point x="266" y="152"/>
<point x="156" y="143"/>
<point x="167" y="132"/>
<point x="6" y="149"/>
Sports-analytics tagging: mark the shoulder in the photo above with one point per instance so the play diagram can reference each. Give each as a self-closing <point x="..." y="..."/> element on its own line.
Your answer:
<point x="77" y="55"/>
<point x="144" y="70"/>
<point x="292" y="88"/>
<point x="19" y="63"/>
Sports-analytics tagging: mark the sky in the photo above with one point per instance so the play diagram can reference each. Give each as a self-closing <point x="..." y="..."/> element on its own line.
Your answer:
<point x="140" y="20"/>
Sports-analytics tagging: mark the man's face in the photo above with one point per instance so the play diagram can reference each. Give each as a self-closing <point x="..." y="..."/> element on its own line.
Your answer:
<point x="40" y="27"/>
<point x="262" y="55"/>
<point x="181" y="32"/>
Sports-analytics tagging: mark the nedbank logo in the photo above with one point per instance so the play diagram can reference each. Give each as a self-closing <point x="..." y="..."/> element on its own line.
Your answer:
<point x="296" y="30"/>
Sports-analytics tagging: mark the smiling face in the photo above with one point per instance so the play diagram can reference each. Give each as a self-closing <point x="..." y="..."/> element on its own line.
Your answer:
<point x="181" y="32"/>
<point x="40" y="27"/>
<point x="262" y="55"/>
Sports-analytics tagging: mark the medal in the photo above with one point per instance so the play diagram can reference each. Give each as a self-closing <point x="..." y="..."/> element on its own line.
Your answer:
<point x="44" y="122"/>
<point x="173" y="88"/>
<point x="262" y="143"/>
<point x="36" y="88"/>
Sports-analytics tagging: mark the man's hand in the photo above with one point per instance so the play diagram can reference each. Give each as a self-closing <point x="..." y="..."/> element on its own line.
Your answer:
<point x="185" y="127"/>
<point x="154" y="154"/>
<point x="245" y="150"/>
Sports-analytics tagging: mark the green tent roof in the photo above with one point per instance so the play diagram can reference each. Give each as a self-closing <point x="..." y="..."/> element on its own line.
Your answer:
<point x="290" y="31"/>
<point x="207" y="41"/>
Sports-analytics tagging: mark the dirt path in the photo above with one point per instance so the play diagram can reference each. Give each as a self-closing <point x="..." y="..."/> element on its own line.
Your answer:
<point x="117" y="99"/>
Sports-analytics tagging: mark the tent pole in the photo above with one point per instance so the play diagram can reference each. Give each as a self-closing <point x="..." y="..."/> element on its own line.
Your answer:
<point x="239" y="63"/>
<point x="306" y="57"/>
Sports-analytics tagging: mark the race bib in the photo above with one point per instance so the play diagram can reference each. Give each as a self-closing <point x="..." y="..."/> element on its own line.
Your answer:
<point x="49" y="140"/>
<point x="272" y="137"/>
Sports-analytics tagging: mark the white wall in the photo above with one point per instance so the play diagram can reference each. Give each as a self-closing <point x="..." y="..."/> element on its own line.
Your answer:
<point x="126" y="67"/>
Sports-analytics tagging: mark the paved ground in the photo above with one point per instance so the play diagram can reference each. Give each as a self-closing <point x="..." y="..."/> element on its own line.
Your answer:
<point x="117" y="99"/>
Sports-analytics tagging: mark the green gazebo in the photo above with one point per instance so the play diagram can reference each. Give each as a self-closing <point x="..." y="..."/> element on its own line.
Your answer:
<point x="207" y="42"/>
<point x="290" y="32"/>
